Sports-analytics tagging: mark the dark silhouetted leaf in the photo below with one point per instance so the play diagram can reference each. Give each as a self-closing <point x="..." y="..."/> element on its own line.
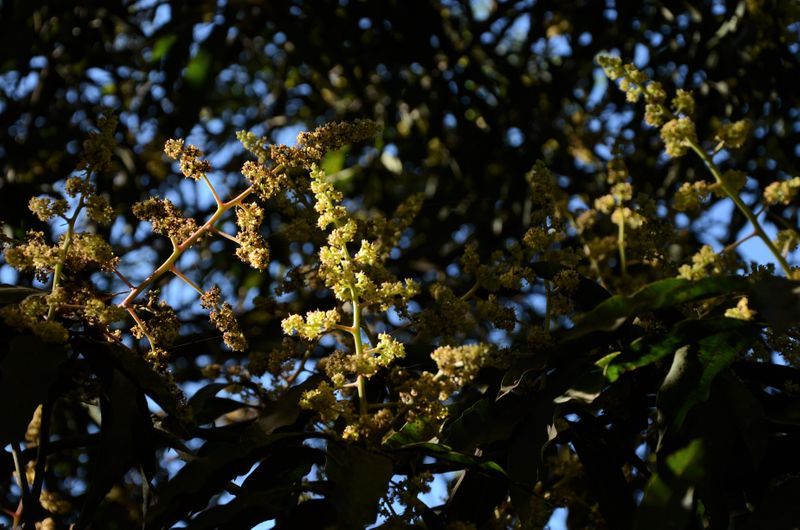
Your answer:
<point x="284" y="466"/>
<point x="138" y="370"/>
<point x="486" y="421"/>
<point x="125" y="440"/>
<point x="207" y="407"/>
<point x="12" y="294"/>
<point x="604" y="470"/>
<point x="223" y="460"/>
<point x="28" y="370"/>
<point x="525" y="455"/>
<point x="313" y="514"/>
<point x="780" y="509"/>
<point x="359" y="480"/>
<point x="193" y="486"/>
<point x="777" y="301"/>
<point x="588" y="293"/>
<point x="245" y="511"/>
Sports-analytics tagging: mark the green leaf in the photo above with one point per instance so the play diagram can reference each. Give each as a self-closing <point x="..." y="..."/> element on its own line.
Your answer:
<point x="359" y="478"/>
<point x="612" y="313"/>
<point x="162" y="46"/>
<point x="411" y="432"/>
<point x="28" y="370"/>
<point x="486" y="421"/>
<point x="444" y="453"/>
<point x="334" y="161"/>
<point x="198" y="68"/>
<point x="286" y="410"/>
<point x="684" y="462"/>
<point x="668" y="502"/>
<point x="215" y="407"/>
<point x="585" y="389"/>
<point x="647" y="350"/>
<point x="694" y="369"/>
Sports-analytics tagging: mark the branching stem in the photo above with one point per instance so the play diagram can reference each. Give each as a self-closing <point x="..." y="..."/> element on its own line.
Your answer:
<point x="208" y="226"/>
<point x="59" y="268"/>
<point x="748" y="213"/>
<point x="186" y="279"/>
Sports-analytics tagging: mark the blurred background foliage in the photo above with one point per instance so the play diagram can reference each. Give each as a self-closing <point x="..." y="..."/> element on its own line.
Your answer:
<point x="470" y="94"/>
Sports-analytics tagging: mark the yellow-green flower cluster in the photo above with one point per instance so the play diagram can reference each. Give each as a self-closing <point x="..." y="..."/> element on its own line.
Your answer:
<point x="341" y="365"/>
<point x="691" y="195"/>
<point x="312" y="146"/>
<point x="211" y="298"/>
<point x="704" y="261"/>
<point x="162" y="324"/>
<point x="783" y="192"/>
<point x="735" y="134"/>
<point x="388" y="350"/>
<point x="742" y="311"/>
<point x="37" y="256"/>
<point x="255" y="145"/>
<point x="315" y="324"/>
<point x="493" y="311"/>
<point x="450" y="315"/>
<point x="225" y="321"/>
<point x="787" y="240"/>
<point x="323" y="401"/>
<point x="353" y="276"/>
<point x="33" y="255"/>
<point x="54" y="503"/>
<point x="99" y="146"/>
<point x="614" y="204"/>
<point x="461" y="364"/>
<point x="277" y="362"/>
<point x="266" y="183"/>
<point x="192" y="164"/>
<point x="166" y="218"/>
<point x="391" y="229"/>
<point x="367" y="426"/>
<point x="683" y="102"/>
<point x="677" y="129"/>
<point x="45" y="208"/>
<point x="253" y="248"/>
<point x="677" y="135"/>
<point x="30" y="315"/>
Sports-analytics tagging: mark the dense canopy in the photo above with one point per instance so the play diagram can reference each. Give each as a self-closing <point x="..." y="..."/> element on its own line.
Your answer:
<point x="418" y="263"/>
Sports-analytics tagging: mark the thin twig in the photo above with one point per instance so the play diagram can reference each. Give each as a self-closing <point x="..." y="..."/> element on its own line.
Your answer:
<point x="22" y="478"/>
